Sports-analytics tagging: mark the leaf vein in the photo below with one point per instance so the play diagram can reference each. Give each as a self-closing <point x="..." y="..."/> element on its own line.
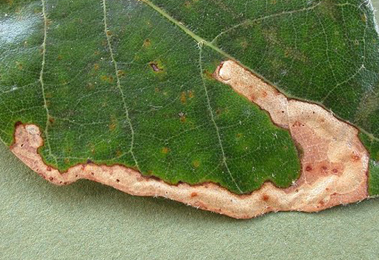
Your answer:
<point x="41" y="80"/>
<point x="251" y="21"/>
<point x="126" y="110"/>
<point x="214" y="121"/>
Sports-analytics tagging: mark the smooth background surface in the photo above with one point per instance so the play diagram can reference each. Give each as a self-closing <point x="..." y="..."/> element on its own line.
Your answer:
<point x="91" y="221"/>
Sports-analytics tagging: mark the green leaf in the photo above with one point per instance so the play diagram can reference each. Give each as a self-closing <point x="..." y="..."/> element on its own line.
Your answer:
<point x="130" y="82"/>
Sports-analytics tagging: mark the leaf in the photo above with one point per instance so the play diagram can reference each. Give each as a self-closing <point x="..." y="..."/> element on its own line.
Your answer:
<point x="139" y="84"/>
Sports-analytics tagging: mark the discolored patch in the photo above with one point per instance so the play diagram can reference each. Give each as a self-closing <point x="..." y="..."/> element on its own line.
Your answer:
<point x="146" y="43"/>
<point x="165" y="150"/>
<point x="183" y="97"/>
<point x="155" y="67"/>
<point x="196" y="164"/>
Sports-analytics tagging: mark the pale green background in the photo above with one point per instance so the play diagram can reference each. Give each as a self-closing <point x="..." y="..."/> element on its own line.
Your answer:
<point x="91" y="221"/>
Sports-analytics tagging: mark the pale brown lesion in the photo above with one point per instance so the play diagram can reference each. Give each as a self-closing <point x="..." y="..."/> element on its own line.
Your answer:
<point x="332" y="151"/>
<point x="334" y="161"/>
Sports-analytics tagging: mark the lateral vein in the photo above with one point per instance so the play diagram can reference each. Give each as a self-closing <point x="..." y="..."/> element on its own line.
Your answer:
<point x="41" y="80"/>
<point x="106" y="31"/>
<point x="214" y="122"/>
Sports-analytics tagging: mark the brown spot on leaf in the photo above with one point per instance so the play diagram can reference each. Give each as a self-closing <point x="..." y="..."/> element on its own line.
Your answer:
<point x="193" y="194"/>
<point x="51" y="120"/>
<point x="182" y="117"/>
<point x="183" y="97"/>
<point x="146" y="43"/>
<point x="121" y="73"/>
<point x="106" y="78"/>
<point x="155" y="66"/>
<point x="355" y="157"/>
<point x="165" y="150"/>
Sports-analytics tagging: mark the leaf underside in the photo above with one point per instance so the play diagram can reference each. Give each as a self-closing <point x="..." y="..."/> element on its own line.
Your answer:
<point x="130" y="82"/>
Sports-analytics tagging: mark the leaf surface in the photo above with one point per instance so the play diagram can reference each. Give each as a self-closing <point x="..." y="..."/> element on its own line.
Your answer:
<point x="130" y="83"/>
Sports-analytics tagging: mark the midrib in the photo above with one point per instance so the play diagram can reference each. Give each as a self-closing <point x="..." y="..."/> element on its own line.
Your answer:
<point x="197" y="38"/>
